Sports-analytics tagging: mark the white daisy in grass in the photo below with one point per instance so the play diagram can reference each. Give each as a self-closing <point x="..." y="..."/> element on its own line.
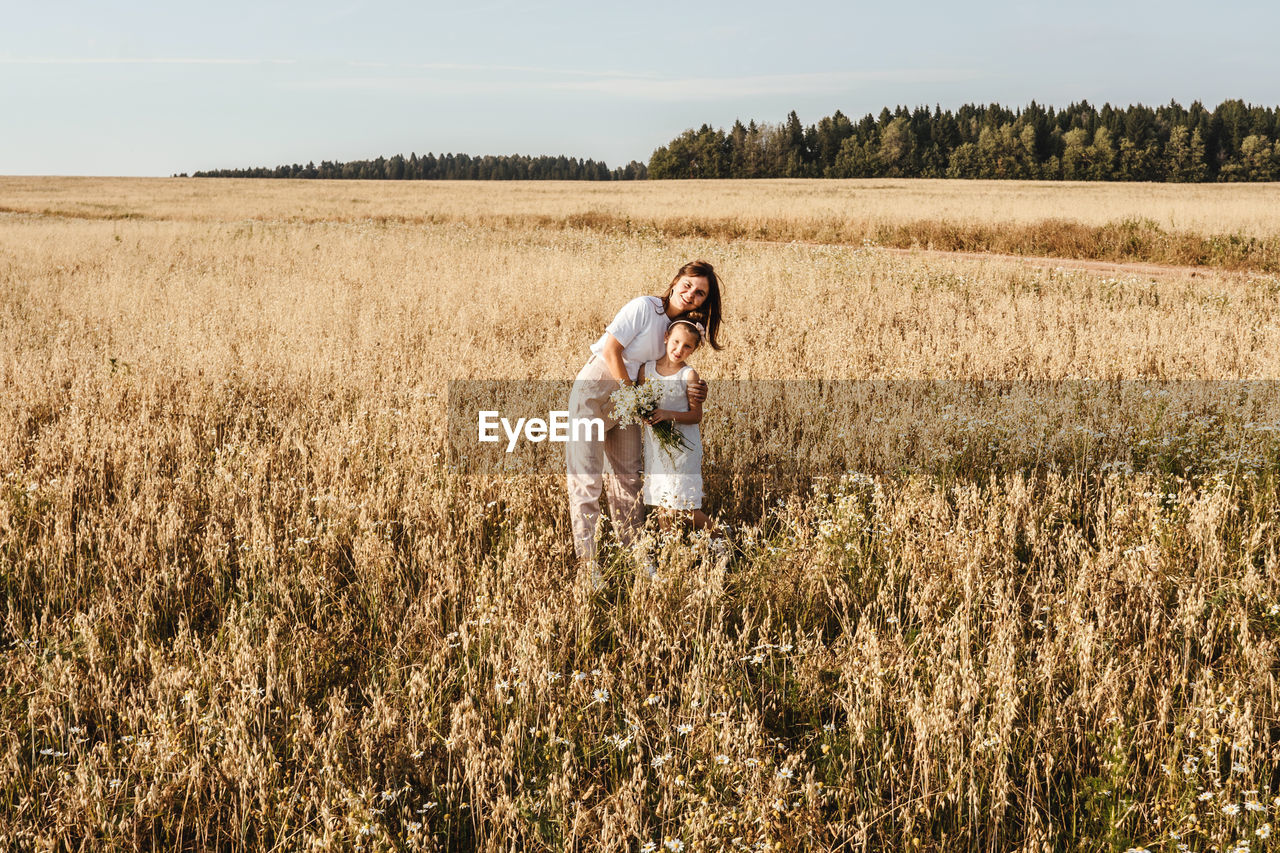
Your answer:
<point x="684" y="728"/>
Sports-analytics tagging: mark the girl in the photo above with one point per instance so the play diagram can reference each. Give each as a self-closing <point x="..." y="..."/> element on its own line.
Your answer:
<point x="634" y="337"/>
<point x="673" y="476"/>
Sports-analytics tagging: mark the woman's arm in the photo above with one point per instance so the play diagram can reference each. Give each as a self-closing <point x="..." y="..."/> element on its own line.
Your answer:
<point x="612" y="356"/>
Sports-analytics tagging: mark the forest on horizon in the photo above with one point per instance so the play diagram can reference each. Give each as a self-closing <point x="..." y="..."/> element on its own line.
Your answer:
<point x="1234" y="141"/>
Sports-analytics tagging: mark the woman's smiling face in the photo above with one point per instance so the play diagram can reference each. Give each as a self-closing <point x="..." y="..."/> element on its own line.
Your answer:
<point x="688" y="294"/>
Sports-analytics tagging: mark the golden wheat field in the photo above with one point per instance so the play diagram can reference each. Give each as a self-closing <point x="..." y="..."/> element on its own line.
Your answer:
<point x="1011" y="586"/>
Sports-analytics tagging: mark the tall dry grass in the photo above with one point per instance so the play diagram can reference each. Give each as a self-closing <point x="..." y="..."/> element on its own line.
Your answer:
<point x="1214" y="225"/>
<point x="1249" y="209"/>
<point x="249" y="604"/>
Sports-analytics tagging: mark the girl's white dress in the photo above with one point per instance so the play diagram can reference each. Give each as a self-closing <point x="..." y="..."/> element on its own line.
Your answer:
<point x="673" y="480"/>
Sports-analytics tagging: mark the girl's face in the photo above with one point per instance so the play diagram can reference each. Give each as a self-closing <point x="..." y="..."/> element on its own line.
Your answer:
<point x="681" y="342"/>
<point x="688" y="294"/>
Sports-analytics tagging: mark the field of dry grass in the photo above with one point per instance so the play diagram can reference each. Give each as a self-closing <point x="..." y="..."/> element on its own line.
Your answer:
<point x="1214" y="225"/>
<point x="251" y="604"/>
<point x="1251" y="209"/>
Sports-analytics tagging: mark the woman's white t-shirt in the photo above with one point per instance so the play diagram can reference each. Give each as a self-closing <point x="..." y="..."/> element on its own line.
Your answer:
<point x="640" y="327"/>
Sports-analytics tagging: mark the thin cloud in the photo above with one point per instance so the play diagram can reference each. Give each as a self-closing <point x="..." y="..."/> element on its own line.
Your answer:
<point x="643" y="86"/>
<point x="412" y="85"/>
<point x="525" y="69"/>
<point x="453" y="78"/>
<point x="138" y="60"/>
<point x="709" y="88"/>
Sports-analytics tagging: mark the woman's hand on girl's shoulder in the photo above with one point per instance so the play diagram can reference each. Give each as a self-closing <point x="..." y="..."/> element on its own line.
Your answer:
<point x="695" y="388"/>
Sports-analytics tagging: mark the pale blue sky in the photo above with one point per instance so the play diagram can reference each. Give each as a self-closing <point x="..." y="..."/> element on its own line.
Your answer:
<point x="154" y="88"/>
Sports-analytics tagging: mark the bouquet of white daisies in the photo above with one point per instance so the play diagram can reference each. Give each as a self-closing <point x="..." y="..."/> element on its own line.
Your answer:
<point x="634" y="404"/>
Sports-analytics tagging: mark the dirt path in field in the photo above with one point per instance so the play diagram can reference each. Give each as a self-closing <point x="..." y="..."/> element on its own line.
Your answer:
<point x="1117" y="267"/>
<point x="1068" y="263"/>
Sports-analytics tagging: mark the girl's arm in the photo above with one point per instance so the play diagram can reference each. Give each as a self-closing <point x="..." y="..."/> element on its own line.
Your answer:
<point x="689" y="417"/>
<point x="612" y="356"/>
<point x="693" y="416"/>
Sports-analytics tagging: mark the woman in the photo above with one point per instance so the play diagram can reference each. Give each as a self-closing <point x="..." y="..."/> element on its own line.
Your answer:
<point x="634" y="337"/>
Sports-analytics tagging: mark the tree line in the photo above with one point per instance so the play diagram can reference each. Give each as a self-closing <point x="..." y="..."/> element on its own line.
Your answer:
<point x="1233" y="142"/>
<point x="446" y="167"/>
